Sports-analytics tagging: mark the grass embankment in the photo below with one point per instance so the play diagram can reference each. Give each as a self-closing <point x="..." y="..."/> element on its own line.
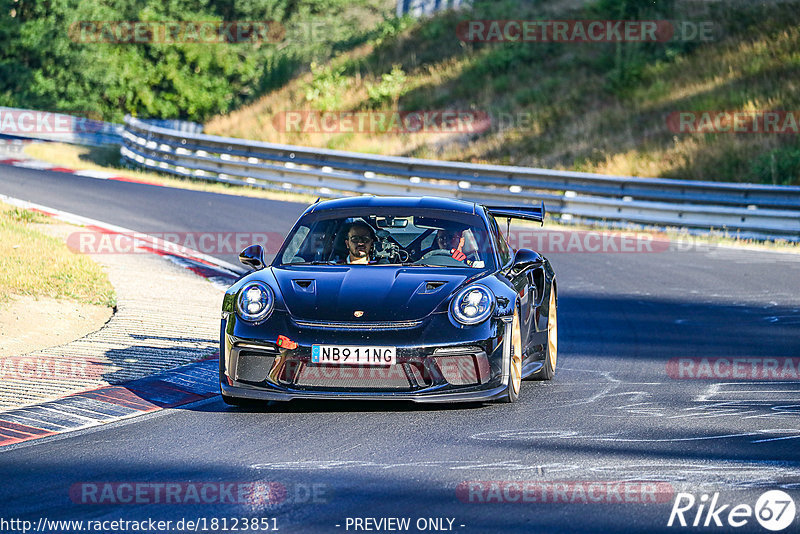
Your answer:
<point x="576" y="106"/>
<point x="38" y="265"/>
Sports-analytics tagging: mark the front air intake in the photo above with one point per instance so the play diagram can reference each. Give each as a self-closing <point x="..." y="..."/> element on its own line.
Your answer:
<point x="463" y="368"/>
<point x="305" y="286"/>
<point x="431" y="286"/>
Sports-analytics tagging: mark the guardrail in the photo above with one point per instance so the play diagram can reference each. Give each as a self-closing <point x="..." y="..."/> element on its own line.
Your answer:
<point x="418" y="8"/>
<point x="74" y="128"/>
<point x="180" y="148"/>
<point x="59" y="127"/>
<point x="747" y="209"/>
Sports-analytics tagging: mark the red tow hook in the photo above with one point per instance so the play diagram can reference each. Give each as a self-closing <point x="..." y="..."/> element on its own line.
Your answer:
<point x="286" y="343"/>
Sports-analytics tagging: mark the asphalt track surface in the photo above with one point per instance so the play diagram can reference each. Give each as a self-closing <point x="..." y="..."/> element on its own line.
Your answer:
<point x="612" y="413"/>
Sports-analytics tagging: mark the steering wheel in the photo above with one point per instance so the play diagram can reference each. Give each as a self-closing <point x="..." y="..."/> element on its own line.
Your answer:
<point x="444" y="255"/>
<point x="436" y="252"/>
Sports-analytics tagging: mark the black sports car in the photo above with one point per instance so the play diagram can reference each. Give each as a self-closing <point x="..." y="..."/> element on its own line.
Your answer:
<point x="391" y="298"/>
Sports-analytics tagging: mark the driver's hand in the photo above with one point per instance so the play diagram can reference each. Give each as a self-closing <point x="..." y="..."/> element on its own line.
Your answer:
<point x="457" y="255"/>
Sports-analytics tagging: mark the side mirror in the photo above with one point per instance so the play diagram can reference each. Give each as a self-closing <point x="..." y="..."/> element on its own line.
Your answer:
<point x="253" y="257"/>
<point x="526" y="259"/>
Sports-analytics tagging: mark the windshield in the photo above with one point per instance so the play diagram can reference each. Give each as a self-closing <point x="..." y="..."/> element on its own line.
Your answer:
<point x="430" y="238"/>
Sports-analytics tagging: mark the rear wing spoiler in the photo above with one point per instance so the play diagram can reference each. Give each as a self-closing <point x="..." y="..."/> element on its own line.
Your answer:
<point x="528" y="213"/>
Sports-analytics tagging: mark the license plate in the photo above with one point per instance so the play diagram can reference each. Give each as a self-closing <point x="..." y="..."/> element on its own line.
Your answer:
<point x="353" y="355"/>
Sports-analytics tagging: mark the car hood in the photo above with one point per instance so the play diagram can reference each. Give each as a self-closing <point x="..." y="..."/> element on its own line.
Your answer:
<point x="382" y="293"/>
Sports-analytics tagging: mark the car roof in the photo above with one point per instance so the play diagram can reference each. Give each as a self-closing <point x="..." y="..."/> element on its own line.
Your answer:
<point x="370" y="201"/>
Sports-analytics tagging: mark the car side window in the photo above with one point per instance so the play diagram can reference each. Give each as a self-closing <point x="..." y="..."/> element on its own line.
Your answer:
<point x="502" y="245"/>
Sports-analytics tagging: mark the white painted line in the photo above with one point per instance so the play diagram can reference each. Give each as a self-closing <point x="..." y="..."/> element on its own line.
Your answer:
<point x="100" y="175"/>
<point x="774" y="439"/>
<point x="760" y="392"/>
<point x="33" y="164"/>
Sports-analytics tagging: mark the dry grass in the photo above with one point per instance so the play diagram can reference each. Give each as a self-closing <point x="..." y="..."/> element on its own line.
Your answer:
<point x="260" y="121"/>
<point x="35" y="264"/>
<point x="575" y="119"/>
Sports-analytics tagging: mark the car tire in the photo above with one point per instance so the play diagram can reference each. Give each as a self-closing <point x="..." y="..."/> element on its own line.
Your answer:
<point x="515" y="372"/>
<point x="548" y="371"/>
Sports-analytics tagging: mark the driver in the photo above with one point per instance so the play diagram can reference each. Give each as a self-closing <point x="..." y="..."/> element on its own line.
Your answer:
<point x="359" y="240"/>
<point x="452" y="241"/>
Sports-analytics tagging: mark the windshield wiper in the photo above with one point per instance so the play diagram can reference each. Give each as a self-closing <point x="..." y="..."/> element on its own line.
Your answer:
<point x="315" y="262"/>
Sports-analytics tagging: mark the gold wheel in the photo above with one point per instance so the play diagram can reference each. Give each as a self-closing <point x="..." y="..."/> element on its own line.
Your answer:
<point x="548" y="370"/>
<point x="515" y="371"/>
<point x="552" y="332"/>
<point x="515" y="380"/>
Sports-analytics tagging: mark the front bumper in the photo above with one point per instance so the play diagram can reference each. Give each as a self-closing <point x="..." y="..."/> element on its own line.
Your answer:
<point x="483" y="395"/>
<point x="434" y="363"/>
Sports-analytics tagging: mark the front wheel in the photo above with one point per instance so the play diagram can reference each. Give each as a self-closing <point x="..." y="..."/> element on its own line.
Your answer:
<point x="515" y="373"/>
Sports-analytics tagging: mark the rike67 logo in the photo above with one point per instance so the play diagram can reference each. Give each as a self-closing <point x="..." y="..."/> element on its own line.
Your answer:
<point x="774" y="510"/>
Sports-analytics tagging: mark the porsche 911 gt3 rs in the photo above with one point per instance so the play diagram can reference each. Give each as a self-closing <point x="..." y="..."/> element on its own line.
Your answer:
<point x="370" y="297"/>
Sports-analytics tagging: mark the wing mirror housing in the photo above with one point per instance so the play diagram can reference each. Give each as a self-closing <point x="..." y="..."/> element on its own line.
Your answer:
<point x="253" y="257"/>
<point x="526" y="259"/>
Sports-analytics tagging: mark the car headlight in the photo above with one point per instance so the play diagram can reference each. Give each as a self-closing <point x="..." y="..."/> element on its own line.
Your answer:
<point x="255" y="302"/>
<point x="472" y="305"/>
